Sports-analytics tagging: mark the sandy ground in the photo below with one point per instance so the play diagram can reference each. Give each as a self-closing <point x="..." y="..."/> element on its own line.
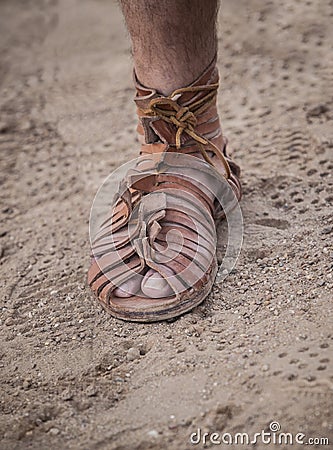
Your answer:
<point x="259" y="349"/>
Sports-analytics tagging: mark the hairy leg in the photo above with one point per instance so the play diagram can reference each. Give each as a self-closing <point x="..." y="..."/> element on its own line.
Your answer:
<point x="173" y="41"/>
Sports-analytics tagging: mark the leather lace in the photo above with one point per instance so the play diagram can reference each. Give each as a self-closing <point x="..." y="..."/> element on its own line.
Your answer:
<point x="185" y="118"/>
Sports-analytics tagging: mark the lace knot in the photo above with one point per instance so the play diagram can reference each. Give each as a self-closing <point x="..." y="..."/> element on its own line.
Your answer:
<point x="181" y="116"/>
<point x="185" y="118"/>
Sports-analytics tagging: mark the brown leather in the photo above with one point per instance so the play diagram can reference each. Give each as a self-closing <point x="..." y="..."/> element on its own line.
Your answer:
<point x="158" y="202"/>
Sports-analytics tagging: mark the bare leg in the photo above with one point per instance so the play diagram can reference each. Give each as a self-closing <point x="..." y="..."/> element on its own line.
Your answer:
<point x="173" y="41"/>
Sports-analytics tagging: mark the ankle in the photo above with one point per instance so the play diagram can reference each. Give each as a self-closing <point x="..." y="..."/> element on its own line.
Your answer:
<point x="187" y="122"/>
<point x="164" y="81"/>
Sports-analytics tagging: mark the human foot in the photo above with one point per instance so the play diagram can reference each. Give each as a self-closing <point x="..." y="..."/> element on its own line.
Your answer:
<point x="186" y="196"/>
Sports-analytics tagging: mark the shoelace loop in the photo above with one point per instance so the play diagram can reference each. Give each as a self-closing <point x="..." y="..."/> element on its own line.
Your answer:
<point x="185" y="118"/>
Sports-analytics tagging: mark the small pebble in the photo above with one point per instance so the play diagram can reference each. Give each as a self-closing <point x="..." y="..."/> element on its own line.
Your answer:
<point x="54" y="431"/>
<point x="91" y="391"/>
<point x="153" y="434"/>
<point x="26" y="384"/>
<point x="216" y="329"/>
<point x="133" y="354"/>
<point x="9" y="321"/>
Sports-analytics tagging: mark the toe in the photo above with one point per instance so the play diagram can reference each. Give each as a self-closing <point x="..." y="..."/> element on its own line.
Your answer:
<point x="129" y="288"/>
<point x="155" y="286"/>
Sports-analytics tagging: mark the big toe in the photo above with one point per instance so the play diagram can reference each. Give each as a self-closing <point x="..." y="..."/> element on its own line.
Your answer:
<point x="155" y="286"/>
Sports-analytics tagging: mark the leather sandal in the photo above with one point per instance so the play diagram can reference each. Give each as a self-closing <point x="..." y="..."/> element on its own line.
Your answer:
<point x="166" y="210"/>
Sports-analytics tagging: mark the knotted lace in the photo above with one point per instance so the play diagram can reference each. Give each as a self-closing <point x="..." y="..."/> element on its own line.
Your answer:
<point x="185" y="118"/>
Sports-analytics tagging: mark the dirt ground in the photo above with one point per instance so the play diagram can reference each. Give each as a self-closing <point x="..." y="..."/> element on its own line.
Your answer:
<point x="259" y="349"/>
